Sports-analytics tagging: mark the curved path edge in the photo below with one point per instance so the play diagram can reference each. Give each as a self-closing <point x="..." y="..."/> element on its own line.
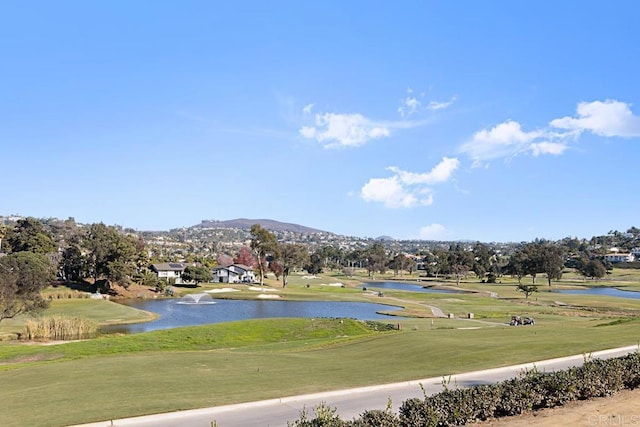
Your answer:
<point x="349" y="402"/>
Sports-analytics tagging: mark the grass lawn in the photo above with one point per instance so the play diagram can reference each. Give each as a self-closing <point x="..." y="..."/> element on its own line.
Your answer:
<point x="100" y="311"/>
<point x="120" y="376"/>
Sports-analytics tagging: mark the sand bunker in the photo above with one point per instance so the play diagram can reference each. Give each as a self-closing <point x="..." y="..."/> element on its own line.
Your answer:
<point x="265" y="296"/>
<point x="215" y="291"/>
<point x="339" y="285"/>
<point x="254" y="288"/>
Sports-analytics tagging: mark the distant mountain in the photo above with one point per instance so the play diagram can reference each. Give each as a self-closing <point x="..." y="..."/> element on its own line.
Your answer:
<point x="269" y="224"/>
<point x="385" y="238"/>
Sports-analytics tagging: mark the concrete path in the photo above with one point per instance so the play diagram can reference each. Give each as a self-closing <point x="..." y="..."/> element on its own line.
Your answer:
<point x="349" y="403"/>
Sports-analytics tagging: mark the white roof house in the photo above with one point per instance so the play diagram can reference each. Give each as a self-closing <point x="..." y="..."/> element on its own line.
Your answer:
<point x="234" y="273"/>
<point x="169" y="270"/>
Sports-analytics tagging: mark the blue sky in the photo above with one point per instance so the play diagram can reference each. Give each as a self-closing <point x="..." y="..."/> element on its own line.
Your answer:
<point x="491" y="121"/>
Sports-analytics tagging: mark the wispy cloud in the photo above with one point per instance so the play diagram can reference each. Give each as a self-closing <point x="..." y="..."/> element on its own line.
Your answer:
<point x="307" y="109"/>
<point x="434" y="105"/>
<point x="504" y="140"/>
<point x="555" y="148"/>
<point x="346" y="130"/>
<point x="408" y="189"/>
<point x="412" y="105"/>
<point x="433" y="232"/>
<point x="605" y="118"/>
<point x="335" y="130"/>
<point x="409" y="106"/>
<point x="608" y="118"/>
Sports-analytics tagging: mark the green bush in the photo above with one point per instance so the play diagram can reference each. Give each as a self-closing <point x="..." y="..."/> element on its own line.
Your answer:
<point x="531" y="390"/>
<point x="376" y="418"/>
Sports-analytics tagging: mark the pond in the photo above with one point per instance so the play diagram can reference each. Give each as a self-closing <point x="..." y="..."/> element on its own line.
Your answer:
<point x="609" y="292"/>
<point x="176" y="313"/>
<point x="403" y="286"/>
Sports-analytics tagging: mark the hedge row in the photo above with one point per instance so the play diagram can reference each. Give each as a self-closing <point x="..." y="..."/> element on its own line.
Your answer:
<point x="530" y="391"/>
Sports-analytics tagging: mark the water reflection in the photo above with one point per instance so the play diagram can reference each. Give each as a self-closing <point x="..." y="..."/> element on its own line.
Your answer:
<point x="173" y="314"/>
<point x="609" y="292"/>
<point x="402" y="286"/>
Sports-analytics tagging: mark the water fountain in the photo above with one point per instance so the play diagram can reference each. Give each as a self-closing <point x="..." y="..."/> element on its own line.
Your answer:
<point x="202" y="298"/>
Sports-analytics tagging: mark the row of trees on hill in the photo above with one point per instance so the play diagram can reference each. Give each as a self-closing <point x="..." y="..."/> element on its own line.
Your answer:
<point x="540" y="257"/>
<point x="37" y="252"/>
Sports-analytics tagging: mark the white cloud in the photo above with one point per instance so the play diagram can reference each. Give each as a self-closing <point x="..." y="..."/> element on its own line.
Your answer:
<point x="554" y="148"/>
<point x="390" y="192"/>
<point x="307" y="109"/>
<point x="441" y="172"/>
<point x="609" y="118"/>
<point x="433" y="232"/>
<point x="434" y="105"/>
<point x="407" y="189"/>
<point x="503" y="140"/>
<point x="410" y="105"/>
<point x="348" y="130"/>
<point x="604" y="118"/>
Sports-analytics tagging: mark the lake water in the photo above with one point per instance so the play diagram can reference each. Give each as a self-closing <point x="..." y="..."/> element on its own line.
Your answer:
<point x="175" y="313"/>
<point x="403" y="286"/>
<point x="609" y="292"/>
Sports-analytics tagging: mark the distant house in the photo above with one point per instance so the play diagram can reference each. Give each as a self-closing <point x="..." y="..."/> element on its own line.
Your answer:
<point x="170" y="271"/>
<point x="234" y="273"/>
<point x="619" y="257"/>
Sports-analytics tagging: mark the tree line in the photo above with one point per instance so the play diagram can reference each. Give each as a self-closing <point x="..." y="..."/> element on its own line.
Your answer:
<point x="38" y="253"/>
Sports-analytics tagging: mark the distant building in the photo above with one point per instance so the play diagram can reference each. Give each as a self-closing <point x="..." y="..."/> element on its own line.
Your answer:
<point x="170" y="271"/>
<point x="619" y="257"/>
<point x="234" y="273"/>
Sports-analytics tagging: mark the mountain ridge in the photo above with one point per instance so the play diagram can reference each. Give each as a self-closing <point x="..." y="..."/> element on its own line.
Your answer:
<point x="269" y="224"/>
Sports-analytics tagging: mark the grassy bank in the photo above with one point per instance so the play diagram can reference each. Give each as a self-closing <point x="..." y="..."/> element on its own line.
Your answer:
<point x="102" y="312"/>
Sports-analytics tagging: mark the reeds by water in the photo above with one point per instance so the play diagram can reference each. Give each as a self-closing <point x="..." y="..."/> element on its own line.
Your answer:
<point x="59" y="328"/>
<point x="66" y="294"/>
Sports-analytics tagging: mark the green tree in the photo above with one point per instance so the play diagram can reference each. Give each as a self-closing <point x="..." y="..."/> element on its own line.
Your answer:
<point x="105" y="253"/>
<point x="376" y="259"/>
<point x="263" y="243"/>
<point x="438" y="262"/>
<point x="290" y="256"/>
<point x="527" y="289"/>
<point x="30" y="235"/>
<point x="200" y="274"/>
<point x="399" y="263"/>
<point x="517" y="265"/>
<point x="460" y="262"/>
<point x="73" y="262"/>
<point x="483" y="259"/>
<point x="22" y="276"/>
<point x="314" y="266"/>
<point x="592" y="268"/>
<point x="552" y="261"/>
<point x="3" y="234"/>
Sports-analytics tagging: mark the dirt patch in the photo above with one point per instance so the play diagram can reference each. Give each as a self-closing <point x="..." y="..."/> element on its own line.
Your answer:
<point x="133" y="291"/>
<point x="31" y="358"/>
<point x="622" y="409"/>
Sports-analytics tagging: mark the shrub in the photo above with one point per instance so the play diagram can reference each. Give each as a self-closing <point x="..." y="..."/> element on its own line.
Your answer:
<point x="325" y="417"/>
<point x="417" y="413"/>
<point x="631" y="377"/>
<point x="376" y="418"/>
<point x="531" y="390"/>
<point x="559" y="388"/>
